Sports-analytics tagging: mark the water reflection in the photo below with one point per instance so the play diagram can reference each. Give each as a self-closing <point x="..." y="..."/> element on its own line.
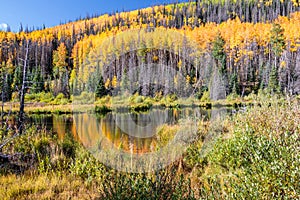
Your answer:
<point x="130" y="132"/>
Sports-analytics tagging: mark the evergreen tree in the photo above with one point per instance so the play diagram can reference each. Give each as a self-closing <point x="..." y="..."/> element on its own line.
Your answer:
<point x="101" y="90"/>
<point x="125" y="82"/>
<point x="38" y="81"/>
<point x="219" y="56"/>
<point x="277" y="40"/>
<point x="273" y="85"/>
<point x="218" y="53"/>
<point x="234" y="85"/>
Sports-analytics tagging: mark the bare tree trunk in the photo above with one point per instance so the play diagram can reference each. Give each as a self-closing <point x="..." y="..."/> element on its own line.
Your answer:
<point x="23" y="91"/>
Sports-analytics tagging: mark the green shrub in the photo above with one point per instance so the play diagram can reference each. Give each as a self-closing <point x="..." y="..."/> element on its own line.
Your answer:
<point x="60" y="100"/>
<point x="40" y="97"/>
<point x="205" y="97"/>
<point x="46" y="97"/>
<point x="171" y="98"/>
<point x="42" y="147"/>
<point x="139" y="99"/>
<point x="102" y="109"/>
<point x="260" y="166"/>
<point x="84" y="98"/>
<point x="258" y="158"/>
<point x="163" y="184"/>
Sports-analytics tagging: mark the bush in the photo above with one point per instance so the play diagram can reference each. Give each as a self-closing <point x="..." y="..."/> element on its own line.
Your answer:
<point x="258" y="158"/>
<point x="60" y="100"/>
<point x="260" y="166"/>
<point x="163" y="184"/>
<point x="84" y="98"/>
<point x="205" y="97"/>
<point x="102" y="109"/>
<point x="46" y="97"/>
<point x="39" y="97"/>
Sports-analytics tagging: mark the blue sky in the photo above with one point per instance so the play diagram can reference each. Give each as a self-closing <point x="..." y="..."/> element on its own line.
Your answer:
<point x="52" y="12"/>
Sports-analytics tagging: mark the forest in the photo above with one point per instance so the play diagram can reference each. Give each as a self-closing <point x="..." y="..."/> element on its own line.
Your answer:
<point x="250" y="45"/>
<point x="194" y="100"/>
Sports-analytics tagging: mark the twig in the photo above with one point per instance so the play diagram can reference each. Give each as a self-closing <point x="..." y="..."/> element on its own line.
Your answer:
<point x="8" y="140"/>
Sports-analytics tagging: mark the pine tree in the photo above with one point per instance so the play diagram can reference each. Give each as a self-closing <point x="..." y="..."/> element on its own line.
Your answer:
<point x="218" y="53"/>
<point x="273" y="85"/>
<point x="234" y="85"/>
<point x="278" y="45"/>
<point x="101" y="90"/>
<point x="38" y="81"/>
<point x="277" y="40"/>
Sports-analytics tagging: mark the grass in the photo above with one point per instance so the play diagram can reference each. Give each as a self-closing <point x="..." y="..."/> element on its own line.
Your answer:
<point x="42" y="186"/>
<point x="253" y="154"/>
<point x="256" y="156"/>
<point x="86" y="102"/>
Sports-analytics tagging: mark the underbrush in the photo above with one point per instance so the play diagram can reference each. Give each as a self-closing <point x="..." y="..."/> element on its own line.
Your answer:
<point x="253" y="154"/>
<point x="257" y="155"/>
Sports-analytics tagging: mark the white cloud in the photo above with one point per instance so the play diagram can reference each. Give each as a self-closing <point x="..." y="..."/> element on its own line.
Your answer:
<point x="3" y="27"/>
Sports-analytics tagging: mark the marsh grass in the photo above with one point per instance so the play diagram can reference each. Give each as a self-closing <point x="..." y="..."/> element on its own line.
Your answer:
<point x="255" y="156"/>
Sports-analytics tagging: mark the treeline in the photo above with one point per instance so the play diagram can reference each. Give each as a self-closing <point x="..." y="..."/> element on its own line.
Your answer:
<point x="57" y="55"/>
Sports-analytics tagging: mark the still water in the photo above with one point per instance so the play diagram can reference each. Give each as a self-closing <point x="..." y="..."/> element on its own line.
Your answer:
<point x="129" y="131"/>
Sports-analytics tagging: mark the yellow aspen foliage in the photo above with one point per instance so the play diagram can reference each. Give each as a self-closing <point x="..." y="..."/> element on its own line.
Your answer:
<point x="187" y="79"/>
<point x="107" y="83"/>
<point x="114" y="82"/>
<point x="179" y="64"/>
<point x="60" y="56"/>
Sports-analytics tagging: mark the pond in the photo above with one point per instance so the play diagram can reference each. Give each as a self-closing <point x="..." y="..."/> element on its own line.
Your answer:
<point x="129" y="134"/>
<point x="128" y="128"/>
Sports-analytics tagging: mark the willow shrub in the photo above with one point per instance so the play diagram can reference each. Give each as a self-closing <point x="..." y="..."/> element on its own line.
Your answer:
<point x="261" y="156"/>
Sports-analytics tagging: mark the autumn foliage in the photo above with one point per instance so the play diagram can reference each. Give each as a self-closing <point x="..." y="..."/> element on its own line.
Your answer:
<point x="259" y="36"/>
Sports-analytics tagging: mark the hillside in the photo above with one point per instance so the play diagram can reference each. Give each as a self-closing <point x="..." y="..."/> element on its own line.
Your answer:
<point x="243" y="46"/>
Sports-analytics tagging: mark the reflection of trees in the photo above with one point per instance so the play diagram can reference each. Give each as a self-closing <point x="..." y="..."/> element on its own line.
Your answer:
<point x="87" y="128"/>
<point x="218" y="114"/>
<point x="62" y="124"/>
<point x="131" y="132"/>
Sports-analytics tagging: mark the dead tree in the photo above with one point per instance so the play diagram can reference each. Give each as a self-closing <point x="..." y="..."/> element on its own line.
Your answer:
<point x="22" y="91"/>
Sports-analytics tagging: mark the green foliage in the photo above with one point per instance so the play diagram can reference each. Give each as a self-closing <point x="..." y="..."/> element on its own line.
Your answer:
<point x="200" y="92"/>
<point x="38" y="81"/>
<point x="273" y="85"/>
<point x="218" y="52"/>
<point x="42" y="147"/>
<point x="164" y="134"/>
<point x="234" y="84"/>
<point x="86" y="166"/>
<point x="39" y="97"/>
<point x="104" y="100"/>
<point x="100" y="90"/>
<point x="277" y="39"/>
<point x="102" y="109"/>
<point x="205" y="97"/>
<point x="68" y="147"/>
<point x="261" y="166"/>
<point x="60" y="100"/>
<point x="164" y="184"/>
<point x="258" y="159"/>
<point x="84" y="98"/>
<point x="139" y="99"/>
